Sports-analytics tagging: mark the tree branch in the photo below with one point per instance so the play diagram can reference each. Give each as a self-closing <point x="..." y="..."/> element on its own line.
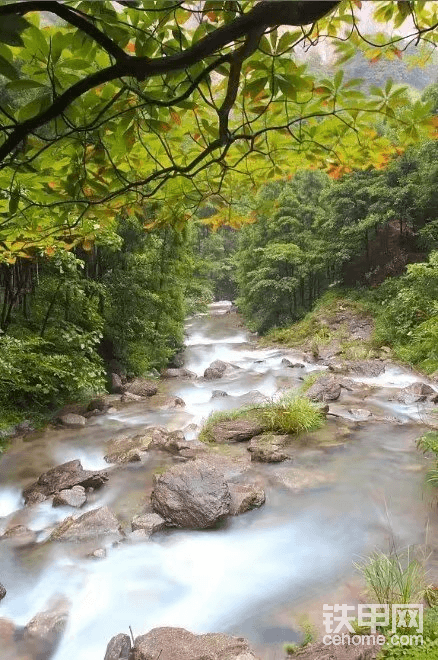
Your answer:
<point x="266" y="13"/>
<point x="70" y="16"/>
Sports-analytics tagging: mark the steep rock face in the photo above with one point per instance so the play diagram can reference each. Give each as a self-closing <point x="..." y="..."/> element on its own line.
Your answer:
<point x="194" y="495"/>
<point x="63" y="477"/>
<point x="180" y="644"/>
<point x="91" y="525"/>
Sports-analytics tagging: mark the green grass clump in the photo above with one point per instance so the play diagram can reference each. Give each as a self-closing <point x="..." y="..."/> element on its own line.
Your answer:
<point x="290" y="414"/>
<point x="429" y="443"/>
<point x="426" y="651"/>
<point x="394" y="577"/>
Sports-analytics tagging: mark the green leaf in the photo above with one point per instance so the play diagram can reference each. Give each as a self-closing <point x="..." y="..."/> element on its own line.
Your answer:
<point x="7" y="69"/>
<point x="10" y="29"/>
<point x="23" y="84"/>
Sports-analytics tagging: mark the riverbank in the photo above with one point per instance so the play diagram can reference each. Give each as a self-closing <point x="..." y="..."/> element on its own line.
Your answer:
<point x="353" y="485"/>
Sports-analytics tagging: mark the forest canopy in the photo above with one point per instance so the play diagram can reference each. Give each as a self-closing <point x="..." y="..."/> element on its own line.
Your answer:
<point x="106" y="105"/>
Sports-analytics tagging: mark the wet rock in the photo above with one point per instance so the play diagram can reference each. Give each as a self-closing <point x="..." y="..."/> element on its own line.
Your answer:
<point x="287" y="363"/>
<point x="63" y="477"/>
<point x="366" y="650"/>
<point x="20" y="535"/>
<point x="178" y="373"/>
<point x="100" y="553"/>
<point x="116" y="384"/>
<point x="216" y="370"/>
<point x="326" y="388"/>
<point x="360" y="414"/>
<point x="235" y="430"/>
<point x="245" y="497"/>
<point x="129" y="397"/>
<point x="269" y="448"/>
<point x="216" y="394"/>
<point x="173" y="402"/>
<point x="3" y="591"/>
<point x="131" y="449"/>
<point x="180" y="644"/>
<point x="7" y="637"/>
<point x="149" y="522"/>
<point x="118" y="648"/>
<point x="415" y="393"/>
<point x="366" y="368"/>
<point x="194" y="495"/>
<point x="90" y="525"/>
<point x="141" y="387"/>
<point x="73" y="421"/>
<point x="138" y="535"/>
<point x="75" y="496"/>
<point x="175" y="443"/>
<point x="44" y="631"/>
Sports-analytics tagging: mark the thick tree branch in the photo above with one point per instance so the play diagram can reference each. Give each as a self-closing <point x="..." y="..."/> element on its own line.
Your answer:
<point x="70" y="16"/>
<point x="266" y="13"/>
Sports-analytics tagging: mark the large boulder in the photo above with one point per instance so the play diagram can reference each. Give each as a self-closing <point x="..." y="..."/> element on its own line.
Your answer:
<point x="116" y="384"/>
<point x="132" y="449"/>
<point x="269" y="448"/>
<point x="141" y="387"/>
<point x="325" y="388"/>
<point x="245" y="497"/>
<point x="88" y="526"/>
<point x="44" y="631"/>
<point x="63" y="477"/>
<point x="366" y="368"/>
<point x="194" y="495"/>
<point x="118" y="648"/>
<point x="216" y="370"/>
<point x="415" y="393"/>
<point x="235" y="430"/>
<point x="180" y="644"/>
<point x="75" y="496"/>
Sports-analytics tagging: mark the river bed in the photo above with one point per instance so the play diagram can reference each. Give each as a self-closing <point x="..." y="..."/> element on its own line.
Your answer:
<point x="256" y="574"/>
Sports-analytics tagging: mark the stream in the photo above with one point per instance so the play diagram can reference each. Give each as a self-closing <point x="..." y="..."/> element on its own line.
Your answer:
<point x="256" y="575"/>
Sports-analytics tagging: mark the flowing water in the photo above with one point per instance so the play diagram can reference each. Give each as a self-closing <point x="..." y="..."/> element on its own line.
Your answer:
<point x="256" y="574"/>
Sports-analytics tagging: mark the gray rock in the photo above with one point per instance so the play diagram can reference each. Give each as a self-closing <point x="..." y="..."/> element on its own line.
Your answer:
<point x="245" y="497"/>
<point x="116" y="384"/>
<point x="132" y="449"/>
<point x="149" y="522"/>
<point x="99" y="553"/>
<point x="177" y="361"/>
<point x="63" y="477"/>
<point x="118" y="648"/>
<point x="415" y="393"/>
<point x="194" y="495"/>
<point x="235" y="430"/>
<point x="99" y="403"/>
<point x="172" y="402"/>
<point x="180" y="644"/>
<point x="175" y="443"/>
<point x="287" y="363"/>
<point x="44" y="631"/>
<point x="129" y="397"/>
<point x="178" y="373"/>
<point x="216" y="370"/>
<point x="325" y="388"/>
<point x="75" y="496"/>
<point x="3" y="591"/>
<point x="216" y="394"/>
<point x="366" y="368"/>
<point x="73" y="421"/>
<point x="360" y="414"/>
<point x="269" y="448"/>
<point x="24" y="427"/>
<point x="88" y="526"/>
<point x="141" y="387"/>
